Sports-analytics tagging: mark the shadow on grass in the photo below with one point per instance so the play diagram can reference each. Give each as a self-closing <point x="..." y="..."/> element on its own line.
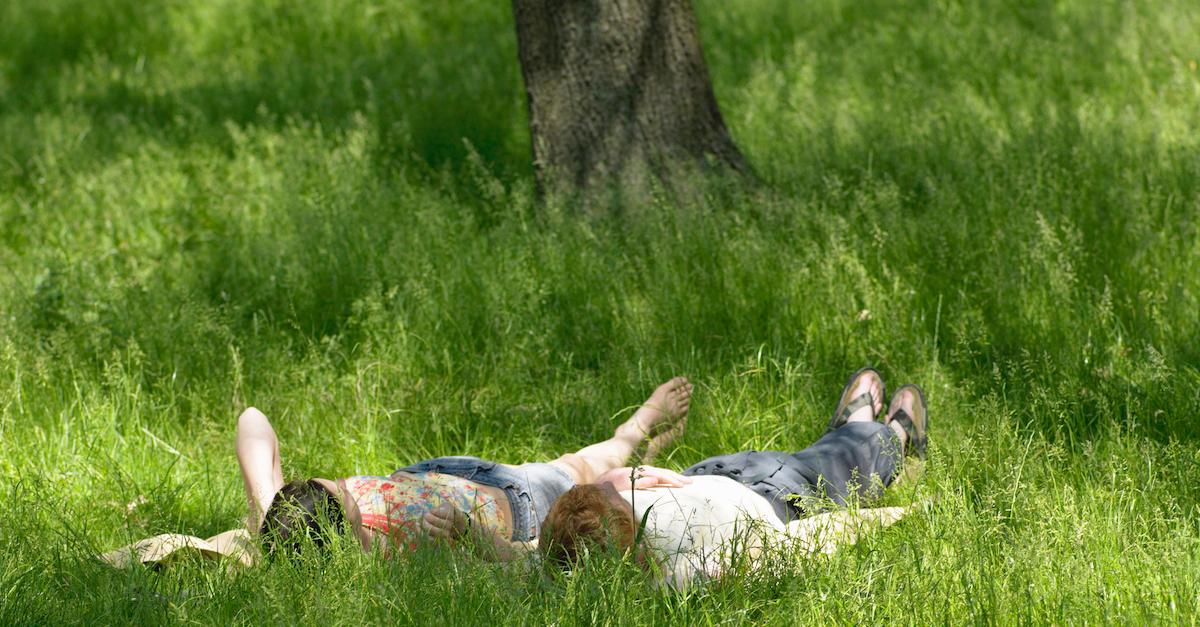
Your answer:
<point x="452" y="74"/>
<point x="429" y="82"/>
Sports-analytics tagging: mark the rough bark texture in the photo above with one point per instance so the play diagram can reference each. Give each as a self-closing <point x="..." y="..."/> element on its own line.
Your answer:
<point x="617" y="89"/>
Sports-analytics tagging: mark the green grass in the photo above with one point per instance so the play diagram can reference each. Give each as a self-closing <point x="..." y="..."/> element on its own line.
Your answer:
<point x="324" y="208"/>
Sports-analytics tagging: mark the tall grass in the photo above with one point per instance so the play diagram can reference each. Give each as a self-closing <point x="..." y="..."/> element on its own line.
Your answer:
<point x="325" y="209"/>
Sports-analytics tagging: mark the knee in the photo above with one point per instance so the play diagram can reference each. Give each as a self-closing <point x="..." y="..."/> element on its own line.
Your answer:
<point x="251" y="418"/>
<point x="251" y="413"/>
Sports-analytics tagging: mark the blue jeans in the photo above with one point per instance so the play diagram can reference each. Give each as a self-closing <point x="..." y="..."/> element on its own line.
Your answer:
<point x="846" y="459"/>
<point x="531" y="488"/>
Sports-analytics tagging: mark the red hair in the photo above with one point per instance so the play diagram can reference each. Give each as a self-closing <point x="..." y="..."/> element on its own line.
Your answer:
<point x="584" y="519"/>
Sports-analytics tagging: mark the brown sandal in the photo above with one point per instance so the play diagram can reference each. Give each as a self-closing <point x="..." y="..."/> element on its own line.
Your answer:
<point x="914" y="425"/>
<point x="847" y="406"/>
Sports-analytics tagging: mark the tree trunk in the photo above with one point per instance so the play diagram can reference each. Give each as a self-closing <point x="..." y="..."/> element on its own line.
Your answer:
<point x="617" y="89"/>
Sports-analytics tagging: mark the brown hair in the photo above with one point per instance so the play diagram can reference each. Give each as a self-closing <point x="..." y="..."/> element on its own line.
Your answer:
<point x="584" y="519"/>
<point x="302" y="511"/>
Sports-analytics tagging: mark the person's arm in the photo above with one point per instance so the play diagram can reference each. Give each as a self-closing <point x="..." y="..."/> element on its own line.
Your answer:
<point x="825" y="533"/>
<point x="491" y="546"/>
<point x="450" y="524"/>
<point x="642" y="478"/>
<point x="258" y="456"/>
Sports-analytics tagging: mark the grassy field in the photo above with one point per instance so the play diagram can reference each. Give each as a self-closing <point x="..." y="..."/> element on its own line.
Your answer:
<point x="324" y="208"/>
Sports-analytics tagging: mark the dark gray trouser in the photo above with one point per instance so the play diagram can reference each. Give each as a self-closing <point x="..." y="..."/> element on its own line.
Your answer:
<point x="843" y="460"/>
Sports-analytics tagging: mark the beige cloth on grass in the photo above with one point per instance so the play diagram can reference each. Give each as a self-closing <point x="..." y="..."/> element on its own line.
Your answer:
<point x="235" y="546"/>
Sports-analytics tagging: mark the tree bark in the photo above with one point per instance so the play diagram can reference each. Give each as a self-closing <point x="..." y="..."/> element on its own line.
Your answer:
<point x="617" y="90"/>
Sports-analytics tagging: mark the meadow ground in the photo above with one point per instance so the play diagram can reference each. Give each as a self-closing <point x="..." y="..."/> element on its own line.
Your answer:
<point x="324" y="208"/>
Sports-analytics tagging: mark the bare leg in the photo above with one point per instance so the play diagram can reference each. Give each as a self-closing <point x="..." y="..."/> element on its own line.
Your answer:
<point x="258" y="456"/>
<point x="657" y="422"/>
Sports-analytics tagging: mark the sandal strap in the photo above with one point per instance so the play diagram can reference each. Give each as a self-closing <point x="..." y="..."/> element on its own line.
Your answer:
<point x="906" y="421"/>
<point x="855" y="404"/>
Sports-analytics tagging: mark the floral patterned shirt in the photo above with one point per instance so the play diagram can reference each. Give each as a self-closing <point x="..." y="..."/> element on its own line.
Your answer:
<point x="395" y="505"/>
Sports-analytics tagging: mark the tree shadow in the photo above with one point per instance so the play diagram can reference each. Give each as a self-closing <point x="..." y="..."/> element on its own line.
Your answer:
<point x="433" y="90"/>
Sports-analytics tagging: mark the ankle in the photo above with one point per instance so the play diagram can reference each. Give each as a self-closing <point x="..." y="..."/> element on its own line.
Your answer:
<point x="901" y="434"/>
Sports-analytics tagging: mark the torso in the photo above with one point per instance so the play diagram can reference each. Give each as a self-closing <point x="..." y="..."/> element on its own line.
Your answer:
<point x="694" y="529"/>
<point x="392" y="507"/>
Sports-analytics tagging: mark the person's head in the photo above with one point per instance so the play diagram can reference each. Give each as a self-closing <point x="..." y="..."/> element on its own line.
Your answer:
<point x="303" y="511"/>
<point x="587" y="518"/>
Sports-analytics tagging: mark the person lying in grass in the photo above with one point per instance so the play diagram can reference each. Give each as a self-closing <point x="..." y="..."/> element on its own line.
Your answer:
<point x="444" y="498"/>
<point x="740" y="502"/>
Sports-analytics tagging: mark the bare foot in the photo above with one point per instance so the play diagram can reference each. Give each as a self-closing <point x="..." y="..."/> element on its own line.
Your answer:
<point x="662" y="418"/>
<point x="868" y="385"/>
<point x="664" y="439"/>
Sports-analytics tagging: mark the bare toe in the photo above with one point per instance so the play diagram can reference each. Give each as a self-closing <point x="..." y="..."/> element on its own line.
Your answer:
<point x="877" y="396"/>
<point x="664" y="408"/>
<point x="868" y="385"/>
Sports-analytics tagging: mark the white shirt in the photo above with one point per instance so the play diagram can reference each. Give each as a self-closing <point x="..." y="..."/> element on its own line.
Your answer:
<point x="697" y="530"/>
